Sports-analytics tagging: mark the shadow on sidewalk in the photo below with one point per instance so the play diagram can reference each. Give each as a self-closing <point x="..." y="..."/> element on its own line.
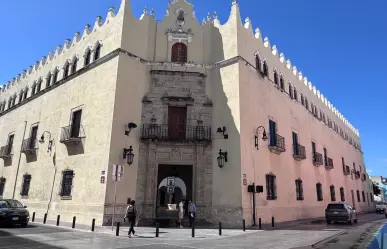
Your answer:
<point x="10" y="240"/>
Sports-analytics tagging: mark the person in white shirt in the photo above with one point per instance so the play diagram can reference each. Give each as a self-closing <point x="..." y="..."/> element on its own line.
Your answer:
<point x="181" y="213"/>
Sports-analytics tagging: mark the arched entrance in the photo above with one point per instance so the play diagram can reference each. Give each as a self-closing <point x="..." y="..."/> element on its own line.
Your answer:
<point x="174" y="184"/>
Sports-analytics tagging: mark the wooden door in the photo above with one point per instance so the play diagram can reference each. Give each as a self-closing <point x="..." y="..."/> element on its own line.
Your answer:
<point x="177" y="121"/>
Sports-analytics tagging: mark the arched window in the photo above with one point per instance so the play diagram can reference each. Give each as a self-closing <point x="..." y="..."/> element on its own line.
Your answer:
<point x="14" y="100"/>
<point x="25" y="94"/>
<point x="282" y="84"/>
<point x="39" y="85"/>
<point x="48" y="80"/>
<point x="9" y="102"/>
<point x="66" y="70"/>
<point x="21" y="96"/>
<point x="290" y="91"/>
<point x="33" y="88"/>
<point x="302" y="99"/>
<point x="87" y="57"/>
<point x="306" y="104"/>
<point x="258" y="63"/>
<point x="295" y="93"/>
<point x="179" y="53"/>
<point x="275" y="78"/>
<point x="265" y="69"/>
<point x="97" y="52"/>
<point x="55" y="77"/>
<point x="74" y="66"/>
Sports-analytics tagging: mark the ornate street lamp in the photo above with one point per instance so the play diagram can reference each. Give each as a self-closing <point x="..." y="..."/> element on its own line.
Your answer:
<point x="222" y="158"/>
<point x="264" y="135"/>
<point x="128" y="154"/>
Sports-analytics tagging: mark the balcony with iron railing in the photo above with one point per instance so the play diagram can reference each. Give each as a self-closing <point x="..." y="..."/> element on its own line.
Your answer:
<point x="329" y="163"/>
<point x="276" y="143"/>
<point x="6" y="152"/>
<point x="299" y="152"/>
<point x="72" y="134"/>
<point x="175" y="134"/>
<point x="346" y="170"/>
<point x="317" y="159"/>
<point x="29" y="146"/>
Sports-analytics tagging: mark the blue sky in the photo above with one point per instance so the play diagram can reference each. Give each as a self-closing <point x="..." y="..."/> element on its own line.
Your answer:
<point x="339" y="45"/>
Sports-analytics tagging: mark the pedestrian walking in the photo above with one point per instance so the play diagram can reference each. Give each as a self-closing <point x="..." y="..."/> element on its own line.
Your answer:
<point x="191" y="212"/>
<point x="181" y="213"/>
<point x="131" y="215"/>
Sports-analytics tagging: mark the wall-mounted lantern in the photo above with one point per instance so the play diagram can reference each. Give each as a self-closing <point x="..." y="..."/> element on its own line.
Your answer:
<point x="50" y="141"/>
<point x="223" y="131"/>
<point x="130" y="127"/>
<point x="222" y="158"/>
<point x="128" y="154"/>
<point x="264" y="135"/>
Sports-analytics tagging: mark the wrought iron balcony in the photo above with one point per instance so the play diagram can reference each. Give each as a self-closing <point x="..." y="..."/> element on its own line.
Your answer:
<point x="299" y="152"/>
<point x="6" y="152"/>
<point x="346" y="170"/>
<point x="72" y="134"/>
<point x="29" y="146"/>
<point x="276" y="143"/>
<point x="317" y="159"/>
<point x="329" y="163"/>
<point x="183" y="134"/>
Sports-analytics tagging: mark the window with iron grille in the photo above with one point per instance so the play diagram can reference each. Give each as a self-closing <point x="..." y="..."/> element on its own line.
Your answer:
<point x="342" y="194"/>
<point x="363" y="195"/>
<point x="333" y="193"/>
<point x="299" y="190"/>
<point x="179" y="53"/>
<point x="358" y="195"/>
<point x="25" y="185"/>
<point x="271" y="187"/>
<point x="67" y="183"/>
<point x="2" y="185"/>
<point x="319" y="192"/>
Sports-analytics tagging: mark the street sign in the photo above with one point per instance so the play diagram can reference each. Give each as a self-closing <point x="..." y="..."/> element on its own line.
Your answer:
<point x="118" y="172"/>
<point x="170" y="189"/>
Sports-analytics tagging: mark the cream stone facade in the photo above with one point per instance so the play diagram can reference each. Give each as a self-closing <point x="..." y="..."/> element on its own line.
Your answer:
<point x="192" y="89"/>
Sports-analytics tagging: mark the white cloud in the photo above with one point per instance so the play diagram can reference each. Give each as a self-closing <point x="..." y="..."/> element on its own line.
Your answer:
<point x="369" y="170"/>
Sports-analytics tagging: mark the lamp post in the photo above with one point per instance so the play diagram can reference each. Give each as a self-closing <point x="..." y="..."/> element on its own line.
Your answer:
<point x="222" y="158"/>
<point x="49" y="149"/>
<point x="128" y="154"/>
<point x="264" y="135"/>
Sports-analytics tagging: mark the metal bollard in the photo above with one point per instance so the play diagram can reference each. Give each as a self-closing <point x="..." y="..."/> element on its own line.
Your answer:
<point x="260" y="223"/>
<point x="272" y="221"/>
<point x="118" y="229"/>
<point x="45" y="219"/>
<point x="33" y="216"/>
<point x="93" y="225"/>
<point x="157" y="229"/>
<point x="57" y="220"/>
<point x="244" y="225"/>
<point x="74" y="219"/>
<point x="193" y="229"/>
<point x="220" y="228"/>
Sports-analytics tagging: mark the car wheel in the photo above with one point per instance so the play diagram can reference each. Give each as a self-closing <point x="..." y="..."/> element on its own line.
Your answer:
<point x="24" y="224"/>
<point x="328" y="222"/>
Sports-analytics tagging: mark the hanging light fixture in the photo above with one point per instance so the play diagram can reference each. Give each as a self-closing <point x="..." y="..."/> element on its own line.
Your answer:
<point x="222" y="158"/>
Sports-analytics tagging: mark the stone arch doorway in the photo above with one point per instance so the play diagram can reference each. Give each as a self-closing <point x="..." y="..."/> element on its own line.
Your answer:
<point x="174" y="184"/>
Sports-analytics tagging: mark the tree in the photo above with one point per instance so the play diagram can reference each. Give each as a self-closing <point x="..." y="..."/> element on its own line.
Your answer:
<point x="376" y="189"/>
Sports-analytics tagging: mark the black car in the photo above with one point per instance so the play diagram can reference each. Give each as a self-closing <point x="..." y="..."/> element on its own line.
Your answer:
<point x="13" y="212"/>
<point x="340" y="212"/>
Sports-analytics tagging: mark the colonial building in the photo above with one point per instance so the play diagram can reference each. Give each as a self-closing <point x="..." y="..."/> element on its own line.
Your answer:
<point x="204" y="111"/>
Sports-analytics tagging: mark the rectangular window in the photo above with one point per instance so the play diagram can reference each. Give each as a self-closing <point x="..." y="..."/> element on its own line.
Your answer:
<point x="358" y="195"/>
<point x="10" y="144"/>
<point x="299" y="190"/>
<point x="319" y="192"/>
<point x="325" y="157"/>
<point x="271" y="187"/>
<point x="343" y="163"/>
<point x="76" y="123"/>
<point x="333" y="193"/>
<point x="67" y="183"/>
<point x="295" y="143"/>
<point x="363" y="195"/>
<point x="313" y="148"/>
<point x="2" y="185"/>
<point x="342" y="194"/>
<point x="25" y="185"/>
<point x="177" y="122"/>
<point x="273" y="133"/>
<point x="33" y="136"/>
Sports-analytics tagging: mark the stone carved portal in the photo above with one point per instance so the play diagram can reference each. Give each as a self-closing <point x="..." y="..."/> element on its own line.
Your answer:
<point x="175" y="183"/>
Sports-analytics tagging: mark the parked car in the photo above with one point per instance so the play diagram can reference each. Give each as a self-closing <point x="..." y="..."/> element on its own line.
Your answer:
<point x="381" y="207"/>
<point x="340" y="212"/>
<point x="13" y="212"/>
